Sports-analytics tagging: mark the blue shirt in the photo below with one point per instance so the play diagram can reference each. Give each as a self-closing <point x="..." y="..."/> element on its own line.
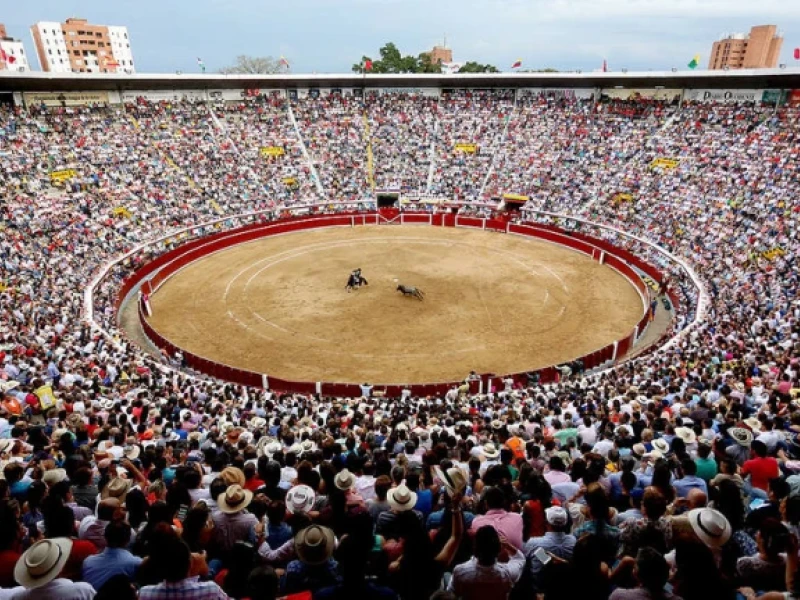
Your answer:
<point x="101" y="567"/>
<point x="559" y="544"/>
<point x="685" y="484"/>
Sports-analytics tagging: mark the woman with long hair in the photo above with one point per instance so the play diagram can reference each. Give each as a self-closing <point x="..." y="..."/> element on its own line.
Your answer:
<point x="598" y="522"/>
<point x="729" y="503"/>
<point x="662" y="480"/>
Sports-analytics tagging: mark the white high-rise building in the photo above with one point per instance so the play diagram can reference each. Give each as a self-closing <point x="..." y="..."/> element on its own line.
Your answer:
<point x="51" y="47"/>
<point x="12" y="53"/>
<point x="121" y="48"/>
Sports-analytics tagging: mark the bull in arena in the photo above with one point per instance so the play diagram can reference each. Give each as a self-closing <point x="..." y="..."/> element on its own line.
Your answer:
<point x="355" y="281"/>
<point x="407" y="290"/>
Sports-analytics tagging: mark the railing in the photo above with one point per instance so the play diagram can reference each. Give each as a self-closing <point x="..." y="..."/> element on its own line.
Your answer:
<point x="599" y="249"/>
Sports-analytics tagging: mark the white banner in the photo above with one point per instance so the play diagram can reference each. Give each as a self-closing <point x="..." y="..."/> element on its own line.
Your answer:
<point x="579" y="93"/>
<point x="729" y="96"/>
<point x="164" y="95"/>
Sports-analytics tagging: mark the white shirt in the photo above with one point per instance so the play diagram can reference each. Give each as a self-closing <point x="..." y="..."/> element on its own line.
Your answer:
<point x="63" y="589"/>
<point x="474" y="581"/>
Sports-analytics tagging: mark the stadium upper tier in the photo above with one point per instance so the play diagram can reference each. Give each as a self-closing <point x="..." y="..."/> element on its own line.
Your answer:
<point x="95" y="166"/>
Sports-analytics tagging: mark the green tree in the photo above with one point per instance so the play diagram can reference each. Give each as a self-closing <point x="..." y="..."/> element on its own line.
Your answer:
<point x="392" y="61"/>
<point x="253" y="65"/>
<point x="474" y="67"/>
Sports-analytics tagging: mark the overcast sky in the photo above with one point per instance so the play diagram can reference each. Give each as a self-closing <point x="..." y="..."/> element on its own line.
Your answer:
<point x="330" y="35"/>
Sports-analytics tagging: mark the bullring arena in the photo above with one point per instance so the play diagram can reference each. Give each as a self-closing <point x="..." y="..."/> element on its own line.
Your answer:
<point x="494" y="303"/>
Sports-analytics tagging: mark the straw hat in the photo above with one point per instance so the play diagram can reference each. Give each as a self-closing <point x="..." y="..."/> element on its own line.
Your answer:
<point x="300" y="499"/>
<point x="75" y="420"/>
<point x="742" y="436"/>
<point x="314" y="544"/>
<point x="132" y="452"/>
<point x="307" y="446"/>
<point x="490" y="451"/>
<point x="234" y="500"/>
<point x="453" y="479"/>
<point x="401" y="498"/>
<point x="345" y="480"/>
<point x="710" y="526"/>
<point x="116" y="488"/>
<point x="42" y="562"/>
<point x="232" y="475"/>
<point x="661" y="445"/>
<point x="686" y="434"/>
<point x="753" y="423"/>
<point x="54" y="476"/>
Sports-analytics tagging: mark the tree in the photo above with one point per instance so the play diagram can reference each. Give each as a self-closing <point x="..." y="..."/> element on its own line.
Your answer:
<point x="474" y="67"/>
<point x="253" y="65"/>
<point x="392" y="61"/>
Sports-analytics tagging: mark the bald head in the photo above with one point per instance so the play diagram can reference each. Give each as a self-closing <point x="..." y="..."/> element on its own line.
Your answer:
<point x="107" y="508"/>
<point x="696" y="498"/>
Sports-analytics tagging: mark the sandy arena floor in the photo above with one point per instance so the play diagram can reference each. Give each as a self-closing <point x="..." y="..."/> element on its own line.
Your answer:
<point x="493" y="303"/>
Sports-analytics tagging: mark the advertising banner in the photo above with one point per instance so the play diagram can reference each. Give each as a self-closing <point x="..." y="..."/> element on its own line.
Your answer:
<point x="65" y="98"/>
<point x="62" y="175"/>
<point x="515" y="198"/>
<point x="570" y="93"/>
<point x="665" y="163"/>
<point x="272" y="151"/>
<point x="466" y="148"/>
<point x="664" y="95"/>
<point x="728" y="96"/>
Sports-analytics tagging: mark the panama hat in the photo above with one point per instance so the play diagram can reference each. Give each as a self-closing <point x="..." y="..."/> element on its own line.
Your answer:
<point x="661" y="445"/>
<point x="742" y="436"/>
<point x="453" y="479"/>
<point x="753" y="423"/>
<point x="258" y="422"/>
<point x="54" y="476"/>
<point x="300" y="499"/>
<point x="234" y="499"/>
<point x="42" y="562"/>
<point x="401" y="498"/>
<point x="6" y="445"/>
<point x="307" y="446"/>
<point x="132" y="452"/>
<point x="556" y="516"/>
<point x="232" y="475"/>
<point x="345" y="480"/>
<point x="116" y="488"/>
<point x="686" y="434"/>
<point x="497" y="424"/>
<point x="710" y="526"/>
<point x="490" y="451"/>
<point x="314" y="544"/>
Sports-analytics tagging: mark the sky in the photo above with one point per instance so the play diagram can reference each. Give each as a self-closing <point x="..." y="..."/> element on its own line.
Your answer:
<point x="328" y="36"/>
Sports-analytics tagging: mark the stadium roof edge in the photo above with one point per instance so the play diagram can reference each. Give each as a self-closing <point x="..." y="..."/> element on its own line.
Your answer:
<point x="750" y="78"/>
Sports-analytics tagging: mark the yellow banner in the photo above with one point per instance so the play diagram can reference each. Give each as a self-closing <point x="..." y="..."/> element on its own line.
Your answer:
<point x="290" y="182"/>
<point x="62" y="175"/>
<point x="621" y="197"/>
<point x="466" y="148"/>
<point x="272" y="151"/>
<point x="773" y="253"/>
<point x="46" y="397"/>
<point x="665" y="163"/>
<point x="65" y="98"/>
<point x="516" y="197"/>
<point x="121" y="211"/>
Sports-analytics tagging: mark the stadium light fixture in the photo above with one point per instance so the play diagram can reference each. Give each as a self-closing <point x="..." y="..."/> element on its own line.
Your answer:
<point x="624" y="70"/>
<point x="674" y="70"/>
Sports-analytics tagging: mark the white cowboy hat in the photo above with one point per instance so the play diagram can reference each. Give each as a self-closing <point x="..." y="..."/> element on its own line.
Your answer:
<point x="116" y="488"/>
<point x="401" y="498"/>
<point x="711" y="526"/>
<point x="661" y="445"/>
<point x="345" y="480"/>
<point x="686" y="434"/>
<point x="132" y="452"/>
<point x="753" y="423"/>
<point x="307" y="446"/>
<point x="300" y="499"/>
<point x="54" y="476"/>
<point x="7" y="386"/>
<point x="742" y="436"/>
<point x="42" y="562"/>
<point x="258" y="422"/>
<point x="490" y="451"/>
<point x="234" y="500"/>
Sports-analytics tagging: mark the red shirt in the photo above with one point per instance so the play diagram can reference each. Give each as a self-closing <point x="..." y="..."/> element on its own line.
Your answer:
<point x="8" y="560"/>
<point x="761" y="470"/>
<point x="251" y="485"/>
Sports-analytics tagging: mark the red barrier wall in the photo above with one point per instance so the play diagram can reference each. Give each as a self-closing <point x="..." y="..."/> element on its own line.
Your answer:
<point x="172" y="261"/>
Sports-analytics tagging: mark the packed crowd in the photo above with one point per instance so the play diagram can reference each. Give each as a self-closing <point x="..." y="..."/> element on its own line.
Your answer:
<point x="672" y="476"/>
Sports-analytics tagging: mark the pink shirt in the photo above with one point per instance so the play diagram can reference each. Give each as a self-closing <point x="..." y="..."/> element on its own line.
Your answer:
<point x="505" y="523"/>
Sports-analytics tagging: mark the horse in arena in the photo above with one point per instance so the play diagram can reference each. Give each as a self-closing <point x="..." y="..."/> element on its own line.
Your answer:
<point x="408" y="290"/>
<point x="355" y="281"/>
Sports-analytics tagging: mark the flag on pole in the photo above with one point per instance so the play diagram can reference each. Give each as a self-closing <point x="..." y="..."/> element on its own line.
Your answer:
<point x="694" y="62"/>
<point x="283" y="62"/>
<point x="201" y="64"/>
<point x="368" y="65"/>
<point x="517" y="64"/>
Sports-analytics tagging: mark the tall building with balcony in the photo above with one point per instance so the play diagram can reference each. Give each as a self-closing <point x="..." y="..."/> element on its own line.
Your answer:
<point x="77" y="46"/>
<point x="759" y="49"/>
